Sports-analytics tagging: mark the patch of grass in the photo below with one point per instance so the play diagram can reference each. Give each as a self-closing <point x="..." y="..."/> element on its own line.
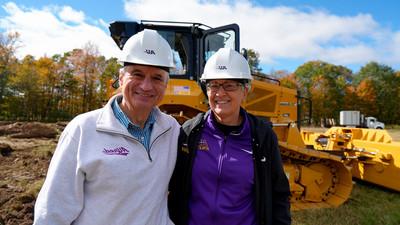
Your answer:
<point x="368" y="205"/>
<point x="44" y="151"/>
<point x="30" y="194"/>
<point x="393" y="126"/>
<point x="34" y="188"/>
<point x="3" y="184"/>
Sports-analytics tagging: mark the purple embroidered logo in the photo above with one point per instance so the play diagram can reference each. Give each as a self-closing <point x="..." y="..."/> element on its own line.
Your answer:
<point x="116" y="151"/>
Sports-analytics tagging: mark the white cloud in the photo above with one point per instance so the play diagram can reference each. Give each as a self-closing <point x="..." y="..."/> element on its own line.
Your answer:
<point x="103" y="23"/>
<point x="347" y="54"/>
<point x="48" y="31"/>
<point x="68" y="14"/>
<point x="279" y="32"/>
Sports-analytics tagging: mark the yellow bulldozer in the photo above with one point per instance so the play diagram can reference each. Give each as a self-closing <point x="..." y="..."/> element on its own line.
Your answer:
<point x="372" y="154"/>
<point x="318" y="177"/>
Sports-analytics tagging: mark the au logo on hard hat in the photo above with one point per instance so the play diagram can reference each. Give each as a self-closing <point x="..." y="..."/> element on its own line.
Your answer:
<point x="149" y="51"/>
<point x="221" y="68"/>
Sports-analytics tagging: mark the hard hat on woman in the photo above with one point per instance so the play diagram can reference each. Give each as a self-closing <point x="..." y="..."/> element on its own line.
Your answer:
<point x="226" y="63"/>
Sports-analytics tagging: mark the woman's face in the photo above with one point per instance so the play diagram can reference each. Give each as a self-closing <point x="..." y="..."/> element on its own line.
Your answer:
<point x="225" y="98"/>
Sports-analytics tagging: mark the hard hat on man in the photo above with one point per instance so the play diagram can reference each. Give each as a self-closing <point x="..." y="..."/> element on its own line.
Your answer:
<point x="147" y="48"/>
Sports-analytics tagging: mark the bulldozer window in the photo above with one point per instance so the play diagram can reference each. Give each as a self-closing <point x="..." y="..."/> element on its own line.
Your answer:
<point x="213" y="42"/>
<point x="179" y="45"/>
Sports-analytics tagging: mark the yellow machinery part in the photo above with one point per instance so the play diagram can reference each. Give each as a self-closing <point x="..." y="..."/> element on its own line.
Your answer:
<point x="317" y="179"/>
<point x="272" y="101"/>
<point x="372" y="154"/>
<point x="184" y="99"/>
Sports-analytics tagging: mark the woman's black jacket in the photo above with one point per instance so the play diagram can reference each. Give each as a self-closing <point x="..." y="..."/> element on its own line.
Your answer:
<point x="271" y="184"/>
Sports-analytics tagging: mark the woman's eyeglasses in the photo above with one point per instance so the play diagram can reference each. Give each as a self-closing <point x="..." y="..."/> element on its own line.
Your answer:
<point x="228" y="86"/>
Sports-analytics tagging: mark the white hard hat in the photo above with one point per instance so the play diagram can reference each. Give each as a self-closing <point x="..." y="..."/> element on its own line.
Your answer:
<point x="226" y="63"/>
<point x="147" y="48"/>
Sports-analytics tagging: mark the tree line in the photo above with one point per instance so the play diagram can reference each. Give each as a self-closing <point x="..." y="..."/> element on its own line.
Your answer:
<point x="374" y="90"/>
<point x="52" y="88"/>
<point x="61" y="86"/>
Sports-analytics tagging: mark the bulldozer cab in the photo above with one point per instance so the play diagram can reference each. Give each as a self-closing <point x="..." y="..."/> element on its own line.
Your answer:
<point x="192" y="43"/>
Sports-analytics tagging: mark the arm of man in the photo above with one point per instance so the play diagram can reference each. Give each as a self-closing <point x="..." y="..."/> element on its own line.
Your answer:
<point x="60" y="200"/>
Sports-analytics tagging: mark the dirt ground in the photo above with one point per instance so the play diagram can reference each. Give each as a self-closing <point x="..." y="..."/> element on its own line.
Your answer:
<point x="21" y="175"/>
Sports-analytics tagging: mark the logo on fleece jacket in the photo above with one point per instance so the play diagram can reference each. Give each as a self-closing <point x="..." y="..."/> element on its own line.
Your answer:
<point x="116" y="151"/>
<point x="203" y="146"/>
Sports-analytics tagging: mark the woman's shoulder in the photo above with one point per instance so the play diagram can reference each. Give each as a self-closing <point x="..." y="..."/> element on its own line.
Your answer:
<point x="259" y="122"/>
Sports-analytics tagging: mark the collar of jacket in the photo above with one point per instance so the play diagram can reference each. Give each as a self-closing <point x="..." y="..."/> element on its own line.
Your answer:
<point x="107" y="121"/>
<point x="212" y="123"/>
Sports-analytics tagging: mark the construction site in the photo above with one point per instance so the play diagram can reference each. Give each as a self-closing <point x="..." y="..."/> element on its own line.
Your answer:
<point x="323" y="165"/>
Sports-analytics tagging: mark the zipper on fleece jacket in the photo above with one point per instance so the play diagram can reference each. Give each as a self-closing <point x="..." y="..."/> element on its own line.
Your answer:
<point x="155" y="139"/>
<point x="133" y="138"/>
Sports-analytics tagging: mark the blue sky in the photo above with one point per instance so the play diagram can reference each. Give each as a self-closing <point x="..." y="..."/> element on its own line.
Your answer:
<point x="286" y="33"/>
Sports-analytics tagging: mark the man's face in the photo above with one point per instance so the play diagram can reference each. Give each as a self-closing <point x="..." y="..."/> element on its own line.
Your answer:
<point x="225" y="97"/>
<point x="143" y="87"/>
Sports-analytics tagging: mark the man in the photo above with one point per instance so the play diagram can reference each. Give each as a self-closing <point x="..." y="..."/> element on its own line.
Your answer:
<point x="113" y="165"/>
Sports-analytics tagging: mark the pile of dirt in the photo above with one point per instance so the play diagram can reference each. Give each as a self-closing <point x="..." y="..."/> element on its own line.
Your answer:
<point x="26" y="150"/>
<point x="29" y="130"/>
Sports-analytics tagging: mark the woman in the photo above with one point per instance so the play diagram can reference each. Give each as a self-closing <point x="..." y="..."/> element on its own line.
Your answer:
<point x="229" y="169"/>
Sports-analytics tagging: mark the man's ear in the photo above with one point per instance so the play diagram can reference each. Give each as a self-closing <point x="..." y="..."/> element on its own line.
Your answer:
<point x="120" y="76"/>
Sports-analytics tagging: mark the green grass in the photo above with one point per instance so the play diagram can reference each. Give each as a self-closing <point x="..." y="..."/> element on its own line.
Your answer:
<point x="368" y="205"/>
<point x="44" y="151"/>
<point x="392" y="126"/>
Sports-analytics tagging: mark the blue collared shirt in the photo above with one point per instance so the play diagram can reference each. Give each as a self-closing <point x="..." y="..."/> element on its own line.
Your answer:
<point x="142" y="135"/>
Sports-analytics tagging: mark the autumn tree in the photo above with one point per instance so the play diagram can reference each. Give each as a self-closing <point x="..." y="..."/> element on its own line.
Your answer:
<point x="289" y="81"/>
<point x="48" y="81"/>
<point x="67" y="90"/>
<point x="7" y="65"/>
<point x="325" y="85"/>
<point x="109" y="75"/>
<point x="366" y="98"/>
<point x="87" y="67"/>
<point x="385" y="85"/>
<point x="26" y="90"/>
